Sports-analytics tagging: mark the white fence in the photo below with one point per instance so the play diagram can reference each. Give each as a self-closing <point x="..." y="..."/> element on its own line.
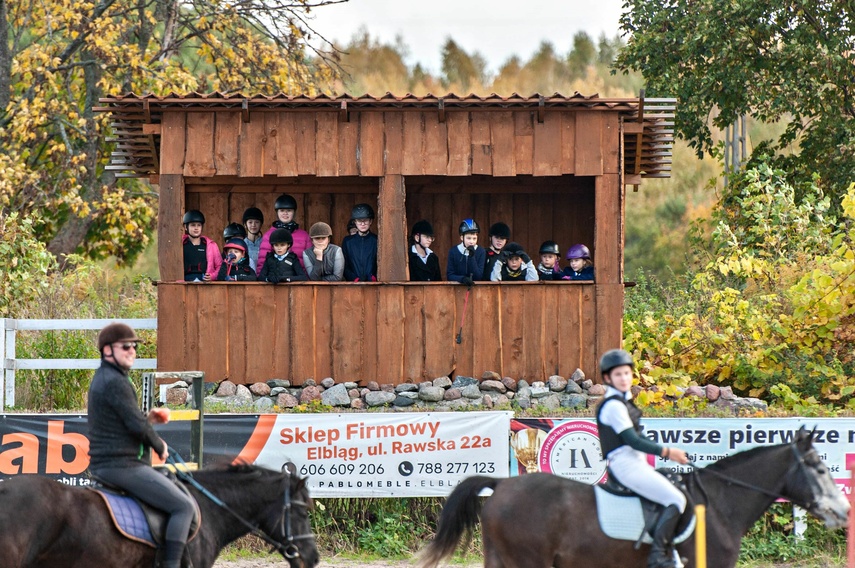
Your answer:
<point x="11" y="363"/>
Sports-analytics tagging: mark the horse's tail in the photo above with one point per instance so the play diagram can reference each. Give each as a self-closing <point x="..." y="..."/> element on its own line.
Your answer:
<point x="459" y="517"/>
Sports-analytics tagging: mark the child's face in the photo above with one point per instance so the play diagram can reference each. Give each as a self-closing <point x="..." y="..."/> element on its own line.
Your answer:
<point x="235" y="251"/>
<point x="424" y="241"/>
<point x="362" y="225"/>
<point x="577" y="264"/>
<point x="285" y="215"/>
<point x="194" y="229"/>
<point x="281" y="248"/>
<point x="548" y="260"/>
<point x="514" y="263"/>
<point x="253" y="226"/>
<point x="320" y="243"/>
<point x="469" y="239"/>
<point x="620" y="378"/>
<point x="498" y="243"/>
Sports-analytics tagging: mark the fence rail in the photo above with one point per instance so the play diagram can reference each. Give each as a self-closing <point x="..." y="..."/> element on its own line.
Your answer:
<point x="11" y="363"/>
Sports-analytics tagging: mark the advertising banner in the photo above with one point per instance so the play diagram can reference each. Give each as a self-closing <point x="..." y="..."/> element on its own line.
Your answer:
<point x="571" y="447"/>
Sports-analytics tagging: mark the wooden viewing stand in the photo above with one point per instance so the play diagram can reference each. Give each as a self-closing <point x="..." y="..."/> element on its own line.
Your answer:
<point x="553" y="168"/>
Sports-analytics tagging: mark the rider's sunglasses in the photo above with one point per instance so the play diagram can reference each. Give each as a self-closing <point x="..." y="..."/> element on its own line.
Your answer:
<point x="128" y="346"/>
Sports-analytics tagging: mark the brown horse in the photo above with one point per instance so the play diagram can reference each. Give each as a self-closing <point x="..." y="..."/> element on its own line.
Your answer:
<point x="45" y="524"/>
<point x="540" y="520"/>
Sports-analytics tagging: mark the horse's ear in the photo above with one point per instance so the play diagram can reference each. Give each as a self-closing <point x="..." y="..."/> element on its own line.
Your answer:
<point x="290" y="468"/>
<point x="805" y="438"/>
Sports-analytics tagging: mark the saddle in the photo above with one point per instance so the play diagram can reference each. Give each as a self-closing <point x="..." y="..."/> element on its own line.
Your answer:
<point x="623" y="515"/>
<point x="139" y="521"/>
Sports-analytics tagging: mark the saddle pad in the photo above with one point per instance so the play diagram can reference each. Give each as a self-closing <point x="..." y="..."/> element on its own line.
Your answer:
<point x="622" y="518"/>
<point x="128" y="516"/>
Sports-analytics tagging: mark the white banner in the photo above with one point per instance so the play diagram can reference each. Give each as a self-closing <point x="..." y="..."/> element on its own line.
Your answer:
<point x="389" y="455"/>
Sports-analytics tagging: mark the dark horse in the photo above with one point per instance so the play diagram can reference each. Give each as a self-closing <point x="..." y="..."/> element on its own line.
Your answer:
<point x="541" y="520"/>
<point x="45" y="524"/>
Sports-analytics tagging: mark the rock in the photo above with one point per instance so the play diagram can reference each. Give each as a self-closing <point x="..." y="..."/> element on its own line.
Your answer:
<point x="388" y="387"/>
<point x="727" y="393"/>
<point x="310" y="383"/>
<point x="556" y="383"/>
<point x="260" y="389"/>
<point x="501" y="399"/>
<point x="578" y="376"/>
<point x="452" y="394"/>
<point x="263" y="404"/>
<point x="352" y="393"/>
<point x="278" y="383"/>
<point x="406" y="387"/>
<point x="725" y="404"/>
<point x="226" y="388"/>
<point x="411" y="395"/>
<point x="471" y="392"/>
<point x="181" y="384"/>
<point x="550" y="402"/>
<point x="593" y="401"/>
<point x="336" y="396"/>
<point x="510" y="384"/>
<point x="379" y="398"/>
<point x="493" y="386"/>
<point x="491" y="376"/>
<point x="403" y="401"/>
<point x="276" y="391"/>
<point x="750" y="403"/>
<point x="372" y="386"/>
<point x="363" y="391"/>
<point x="176" y="396"/>
<point x="573" y="388"/>
<point x="575" y="401"/>
<point x="328" y="383"/>
<point x="524" y="391"/>
<point x="235" y="402"/>
<point x="510" y="395"/>
<point x="442" y="382"/>
<point x="461" y="381"/>
<point x="523" y="402"/>
<point x="243" y="393"/>
<point x="712" y="392"/>
<point x="350" y="385"/>
<point x="309" y="394"/>
<point x="597" y="390"/>
<point x="487" y="401"/>
<point x="695" y="390"/>
<point x="522" y="383"/>
<point x="431" y="394"/>
<point x="586" y="384"/>
<point x="539" y="391"/>
<point x="457" y="404"/>
<point x="286" y="400"/>
<point x="357" y="404"/>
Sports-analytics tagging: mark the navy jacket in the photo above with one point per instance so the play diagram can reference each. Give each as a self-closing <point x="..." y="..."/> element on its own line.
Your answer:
<point x="360" y="257"/>
<point x="586" y="274"/>
<point x="462" y="265"/>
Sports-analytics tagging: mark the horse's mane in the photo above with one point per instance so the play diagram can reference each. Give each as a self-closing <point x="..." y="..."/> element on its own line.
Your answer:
<point x="235" y="477"/>
<point x="740" y="458"/>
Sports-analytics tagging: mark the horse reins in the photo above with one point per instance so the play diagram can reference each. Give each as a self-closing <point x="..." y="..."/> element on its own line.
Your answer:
<point x="289" y="550"/>
<point x="800" y="460"/>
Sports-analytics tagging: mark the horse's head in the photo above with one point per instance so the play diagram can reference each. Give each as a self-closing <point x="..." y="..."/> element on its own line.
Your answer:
<point x="809" y="484"/>
<point x="288" y="521"/>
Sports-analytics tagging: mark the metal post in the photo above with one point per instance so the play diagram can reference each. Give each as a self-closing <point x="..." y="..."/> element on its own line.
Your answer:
<point x="197" y="427"/>
<point x="10" y="371"/>
<point x="743" y="139"/>
<point x="147" y="392"/>
<point x="726" y="153"/>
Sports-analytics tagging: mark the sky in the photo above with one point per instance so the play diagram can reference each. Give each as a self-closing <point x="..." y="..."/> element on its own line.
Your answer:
<point x="497" y="29"/>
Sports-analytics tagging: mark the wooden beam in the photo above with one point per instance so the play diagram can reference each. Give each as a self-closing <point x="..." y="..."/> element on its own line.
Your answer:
<point x="392" y="230"/>
<point x="170" y="250"/>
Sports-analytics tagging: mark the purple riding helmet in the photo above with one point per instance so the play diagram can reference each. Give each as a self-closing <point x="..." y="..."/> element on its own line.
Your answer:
<point x="578" y="251"/>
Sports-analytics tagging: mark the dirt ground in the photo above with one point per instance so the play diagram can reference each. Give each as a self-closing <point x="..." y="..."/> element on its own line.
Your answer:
<point x="328" y="562"/>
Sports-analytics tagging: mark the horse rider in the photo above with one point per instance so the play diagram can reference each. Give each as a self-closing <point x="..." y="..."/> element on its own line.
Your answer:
<point x="120" y="435"/>
<point x="618" y="423"/>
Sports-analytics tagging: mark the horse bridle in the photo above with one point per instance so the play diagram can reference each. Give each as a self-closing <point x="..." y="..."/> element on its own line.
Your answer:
<point x="290" y="550"/>
<point x="800" y="463"/>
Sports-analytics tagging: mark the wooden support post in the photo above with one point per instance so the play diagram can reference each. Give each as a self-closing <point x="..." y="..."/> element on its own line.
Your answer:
<point x="170" y="250"/>
<point x="392" y="230"/>
<point x="608" y="236"/>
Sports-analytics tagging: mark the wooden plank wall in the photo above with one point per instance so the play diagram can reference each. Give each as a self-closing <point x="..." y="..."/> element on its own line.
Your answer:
<point x="375" y="143"/>
<point x="391" y="333"/>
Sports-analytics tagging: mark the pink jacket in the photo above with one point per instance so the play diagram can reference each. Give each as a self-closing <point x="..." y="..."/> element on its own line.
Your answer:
<point x="302" y="241"/>
<point x="212" y="255"/>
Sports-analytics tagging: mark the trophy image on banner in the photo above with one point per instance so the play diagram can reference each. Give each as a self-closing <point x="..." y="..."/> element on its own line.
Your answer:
<point x="526" y="444"/>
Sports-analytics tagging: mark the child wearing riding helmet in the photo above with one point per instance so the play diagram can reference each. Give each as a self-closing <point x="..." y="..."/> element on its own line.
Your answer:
<point x="282" y="265"/>
<point x="360" y="249"/>
<point x="499" y="236"/>
<point x="466" y="261"/>
<point x="236" y="266"/>
<point x="202" y="258"/>
<point x="581" y="266"/>
<point x="548" y="268"/>
<point x="286" y="209"/>
<point x="324" y="261"/>
<point x="424" y="264"/>
<point x="253" y="220"/>
<point x="626" y="449"/>
<point x="513" y="265"/>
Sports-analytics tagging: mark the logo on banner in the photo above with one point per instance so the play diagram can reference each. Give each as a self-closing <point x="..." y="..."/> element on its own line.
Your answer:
<point x="572" y="450"/>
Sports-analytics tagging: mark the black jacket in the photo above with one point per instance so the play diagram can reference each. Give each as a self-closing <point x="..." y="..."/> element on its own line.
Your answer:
<point x="241" y="271"/>
<point x="119" y="433"/>
<point x="360" y="257"/>
<point x="286" y="270"/>
<point x="421" y="271"/>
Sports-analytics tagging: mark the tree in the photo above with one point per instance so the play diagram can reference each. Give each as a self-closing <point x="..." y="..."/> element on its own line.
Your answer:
<point x="790" y="61"/>
<point x="583" y="54"/>
<point x="58" y="57"/>
<point x="462" y="71"/>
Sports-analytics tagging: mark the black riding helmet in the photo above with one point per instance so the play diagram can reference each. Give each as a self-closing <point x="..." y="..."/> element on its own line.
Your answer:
<point x="615" y="358"/>
<point x="285" y="201"/>
<point x="500" y="230"/>
<point x="549" y="247"/>
<point x="362" y="211"/>
<point x="234" y="230"/>
<point x="253" y="213"/>
<point x="280" y="236"/>
<point x="193" y="216"/>
<point x="513" y="249"/>
<point x="422" y="228"/>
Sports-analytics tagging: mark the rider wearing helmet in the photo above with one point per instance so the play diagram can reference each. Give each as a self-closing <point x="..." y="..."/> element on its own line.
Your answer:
<point x="424" y="264"/>
<point x="360" y="249"/>
<point x="466" y="261"/>
<point x="282" y="265"/>
<point x="548" y="268"/>
<point x="253" y="220"/>
<point x="202" y="257"/>
<point x="236" y="266"/>
<point x="120" y="435"/>
<point x="324" y="261"/>
<point x="581" y="266"/>
<point x="618" y="423"/>
<point x="513" y="265"/>
<point x="499" y="235"/>
<point x="286" y="209"/>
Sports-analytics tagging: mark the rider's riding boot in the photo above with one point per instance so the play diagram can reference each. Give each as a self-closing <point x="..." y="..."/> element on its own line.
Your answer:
<point x="172" y="553"/>
<point x="660" y="551"/>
